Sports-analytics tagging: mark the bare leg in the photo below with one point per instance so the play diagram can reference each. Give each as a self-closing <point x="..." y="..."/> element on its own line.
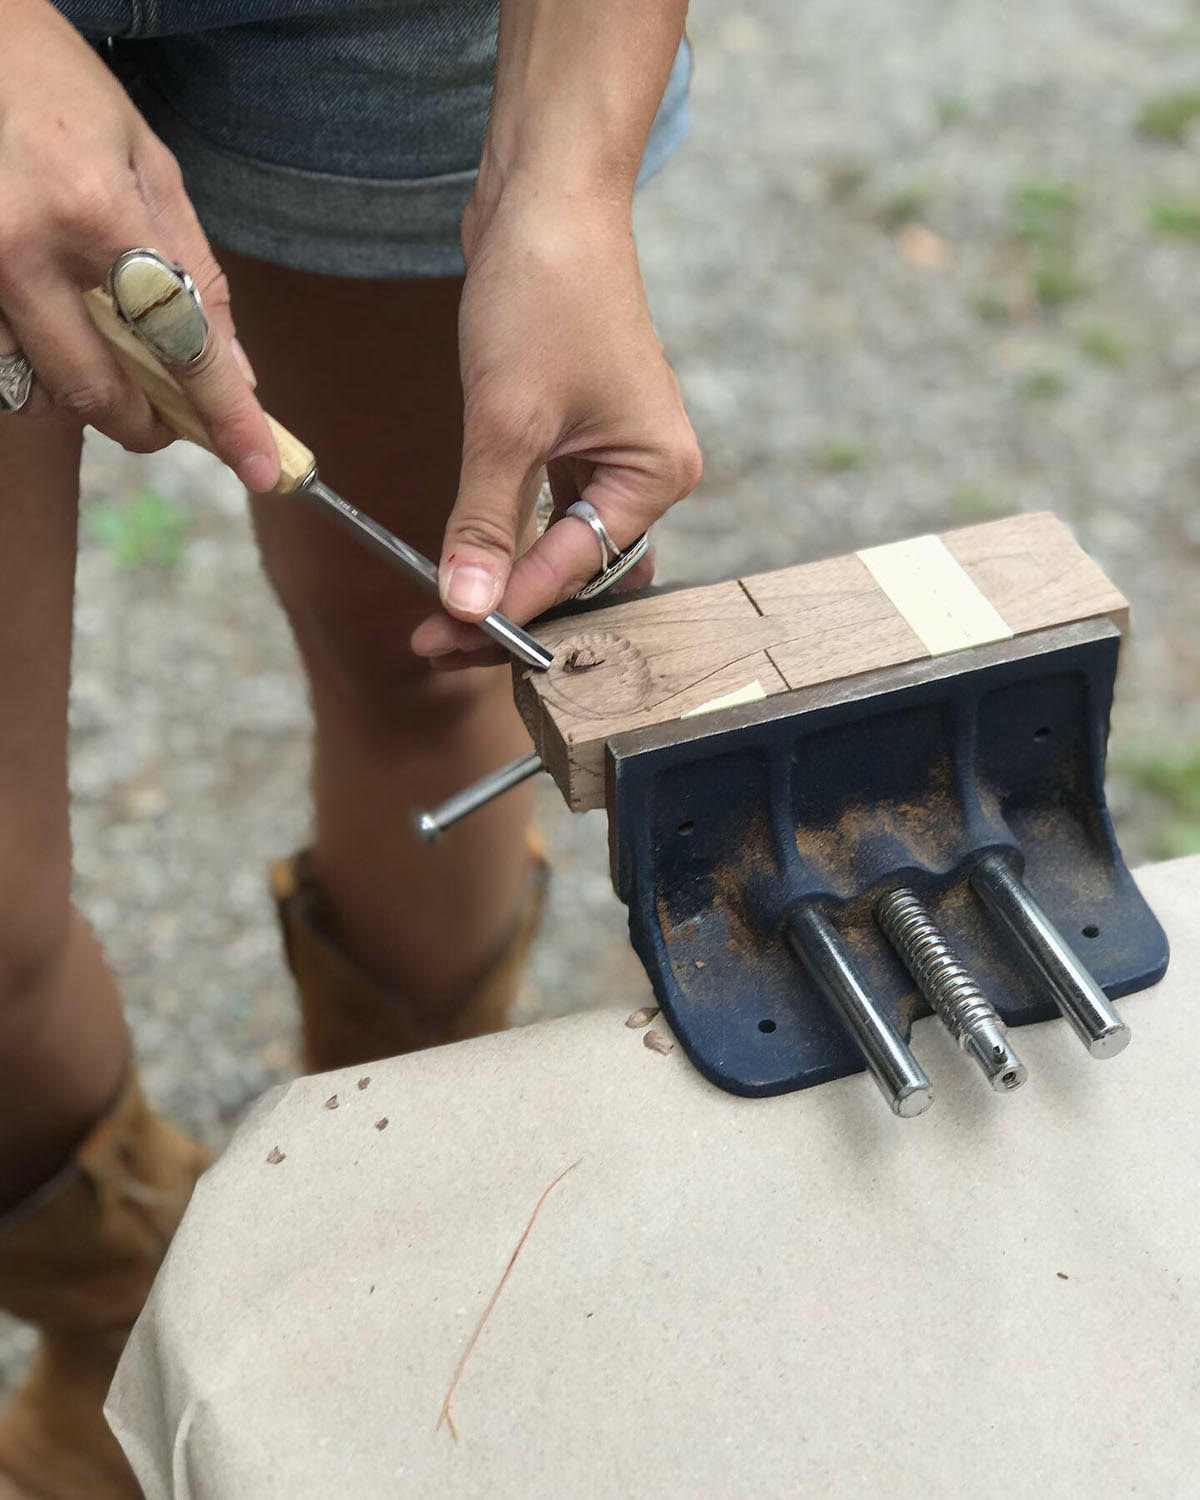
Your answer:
<point x="366" y="373"/>
<point x="63" y="1044"/>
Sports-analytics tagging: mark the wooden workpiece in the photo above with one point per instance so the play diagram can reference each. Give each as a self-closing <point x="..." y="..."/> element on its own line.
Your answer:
<point x="648" y="661"/>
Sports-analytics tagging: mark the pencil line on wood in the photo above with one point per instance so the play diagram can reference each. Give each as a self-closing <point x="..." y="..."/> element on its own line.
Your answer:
<point x="444" y="1415"/>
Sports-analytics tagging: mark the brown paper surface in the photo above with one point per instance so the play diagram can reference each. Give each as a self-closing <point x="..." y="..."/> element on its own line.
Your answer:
<point x="724" y="1297"/>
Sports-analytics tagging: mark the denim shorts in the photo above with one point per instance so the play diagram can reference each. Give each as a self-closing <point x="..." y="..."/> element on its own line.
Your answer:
<point x="330" y="135"/>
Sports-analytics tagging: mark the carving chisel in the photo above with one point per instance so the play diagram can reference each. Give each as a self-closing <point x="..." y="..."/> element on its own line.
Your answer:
<point x="298" y="473"/>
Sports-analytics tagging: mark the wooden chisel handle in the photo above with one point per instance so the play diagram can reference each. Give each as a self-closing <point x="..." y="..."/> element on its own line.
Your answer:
<point x="171" y="402"/>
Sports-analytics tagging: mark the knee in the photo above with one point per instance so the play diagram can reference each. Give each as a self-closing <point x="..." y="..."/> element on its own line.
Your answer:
<point x="356" y="651"/>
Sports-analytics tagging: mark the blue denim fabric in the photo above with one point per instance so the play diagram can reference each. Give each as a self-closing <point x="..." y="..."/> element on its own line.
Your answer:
<point x="330" y="135"/>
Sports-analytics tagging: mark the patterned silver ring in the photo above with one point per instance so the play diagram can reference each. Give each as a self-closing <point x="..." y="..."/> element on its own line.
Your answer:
<point x="585" y="511"/>
<point x="623" y="563"/>
<point x="16" y="381"/>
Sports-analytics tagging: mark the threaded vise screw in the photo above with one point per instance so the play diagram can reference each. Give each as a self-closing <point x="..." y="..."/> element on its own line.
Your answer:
<point x="949" y="987"/>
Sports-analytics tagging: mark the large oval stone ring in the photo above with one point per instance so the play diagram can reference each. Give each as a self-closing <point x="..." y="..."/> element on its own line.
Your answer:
<point x="159" y="303"/>
<point x="614" y="563"/>
<point x="16" y="381"/>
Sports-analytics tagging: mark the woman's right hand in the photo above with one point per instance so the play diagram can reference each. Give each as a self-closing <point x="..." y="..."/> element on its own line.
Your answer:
<point x="83" y="178"/>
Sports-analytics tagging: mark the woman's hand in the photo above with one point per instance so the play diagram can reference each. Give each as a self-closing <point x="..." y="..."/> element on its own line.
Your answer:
<point x="82" y="178"/>
<point x="561" y="367"/>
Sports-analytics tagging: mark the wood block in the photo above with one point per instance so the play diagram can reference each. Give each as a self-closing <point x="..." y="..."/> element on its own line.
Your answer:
<point x="648" y="661"/>
<point x="636" y="664"/>
<point x="834" y="620"/>
<point x="1036" y="573"/>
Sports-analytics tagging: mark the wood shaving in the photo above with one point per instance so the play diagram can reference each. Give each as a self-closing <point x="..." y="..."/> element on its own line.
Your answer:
<point x="657" y="1042"/>
<point x="642" y="1017"/>
<point x="276" y="1156"/>
<point x="582" y="659"/>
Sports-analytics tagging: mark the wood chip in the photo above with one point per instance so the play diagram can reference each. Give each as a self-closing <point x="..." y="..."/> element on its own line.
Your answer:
<point x="700" y="963"/>
<point x="331" y="1102"/>
<point x="1062" y="1276"/>
<point x="276" y="1156"/>
<point x="657" y="1042"/>
<point x="642" y="1017"/>
<point x="364" y="1082"/>
<point x="382" y="1124"/>
<point x="582" y="659"/>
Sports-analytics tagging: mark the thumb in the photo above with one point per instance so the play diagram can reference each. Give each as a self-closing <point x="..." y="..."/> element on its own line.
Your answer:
<point x="481" y="535"/>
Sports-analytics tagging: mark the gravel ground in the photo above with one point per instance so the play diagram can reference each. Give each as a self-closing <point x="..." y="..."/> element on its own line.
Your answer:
<point x="918" y="266"/>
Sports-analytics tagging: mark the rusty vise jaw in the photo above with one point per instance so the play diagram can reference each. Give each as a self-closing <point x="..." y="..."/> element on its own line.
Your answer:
<point x="826" y="799"/>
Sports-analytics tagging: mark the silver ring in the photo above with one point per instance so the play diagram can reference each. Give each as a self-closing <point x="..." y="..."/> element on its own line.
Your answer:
<point x="16" y="381"/>
<point x="623" y="563"/>
<point x="160" y="305"/>
<point x="585" y="511"/>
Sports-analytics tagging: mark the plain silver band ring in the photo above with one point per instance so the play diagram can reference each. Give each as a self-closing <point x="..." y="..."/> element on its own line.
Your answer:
<point x="585" y="511"/>
<point x="16" y="381"/>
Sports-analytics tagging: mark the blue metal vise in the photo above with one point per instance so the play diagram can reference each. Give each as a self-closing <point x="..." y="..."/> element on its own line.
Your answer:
<point x="724" y="826"/>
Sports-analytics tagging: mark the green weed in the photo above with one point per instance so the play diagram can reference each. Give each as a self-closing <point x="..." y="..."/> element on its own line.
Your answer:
<point x="1043" y="211"/>
<point x="1169" y="117"/>
<point x="1042" y="385"/>
<point x="950" y="109"/>
<point x="1056" y="279"/>
<point x="1172" y="778"/>
<point x="1104" y="345"/>
<point x="991" y="305"/>
<point x="1175" y="216"/>
<point x="977" y="503"/>
<point x="845" y="179"/>
<point x="840" y="457"/>
<point x="1045" y="215"/>
<point x="144" y="530"/>
<point x="903" y="206"/>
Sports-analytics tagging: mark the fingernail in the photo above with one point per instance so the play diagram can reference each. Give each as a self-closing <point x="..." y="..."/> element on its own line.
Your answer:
<point x="243" y="363"/>
<point x="257" y="472"/>
<point x="472" y="589"/>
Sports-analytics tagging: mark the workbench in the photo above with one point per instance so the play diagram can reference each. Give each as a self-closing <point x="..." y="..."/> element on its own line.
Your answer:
<point x="711" y="1296"/>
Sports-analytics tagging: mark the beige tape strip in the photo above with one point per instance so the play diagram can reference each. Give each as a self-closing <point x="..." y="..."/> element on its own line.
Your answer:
<point x="939" y="600"/>
<point x="751" y="693"/>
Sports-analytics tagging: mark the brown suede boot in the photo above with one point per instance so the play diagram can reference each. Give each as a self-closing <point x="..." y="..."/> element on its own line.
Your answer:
<point x="348" y="1016"/>
<point x="77" y="1260"/>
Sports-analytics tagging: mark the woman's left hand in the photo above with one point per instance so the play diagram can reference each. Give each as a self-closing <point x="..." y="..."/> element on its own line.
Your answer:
<point x="561" y="368"/>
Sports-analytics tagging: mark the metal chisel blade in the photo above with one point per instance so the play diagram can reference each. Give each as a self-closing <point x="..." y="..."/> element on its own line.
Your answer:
<point x="498" y="627"/>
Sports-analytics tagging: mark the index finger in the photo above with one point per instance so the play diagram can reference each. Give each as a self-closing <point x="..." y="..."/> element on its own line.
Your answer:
<point x="231" y="414"/>
<point x="215" y="384"/>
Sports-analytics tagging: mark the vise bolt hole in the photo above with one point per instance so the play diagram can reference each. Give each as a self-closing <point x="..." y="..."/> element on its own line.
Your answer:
<point x="686" y="829"/>
<point x="1042" y="734"/>
<point x="767" y="1026"/>
<point x="1091" y="930"/>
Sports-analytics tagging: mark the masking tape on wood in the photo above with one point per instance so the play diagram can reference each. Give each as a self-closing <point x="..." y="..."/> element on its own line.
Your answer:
<point x="937" y="597"/>
<point x="751" y="693"/>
